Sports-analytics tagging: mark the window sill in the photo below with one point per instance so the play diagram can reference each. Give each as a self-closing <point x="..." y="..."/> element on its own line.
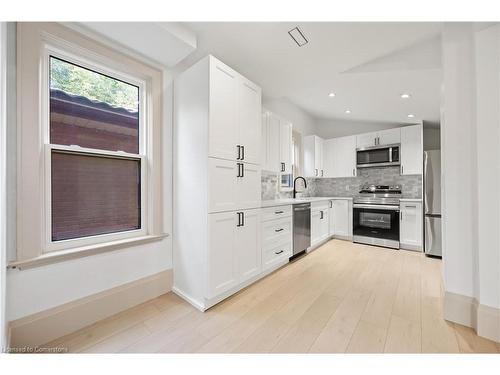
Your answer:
<point x="84" y="251"/>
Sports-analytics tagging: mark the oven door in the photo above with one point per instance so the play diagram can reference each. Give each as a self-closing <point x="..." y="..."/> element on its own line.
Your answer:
<point x="376" y="225"/>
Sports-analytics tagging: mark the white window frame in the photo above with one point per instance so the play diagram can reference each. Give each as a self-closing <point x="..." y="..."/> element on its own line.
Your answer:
<point x="85" y="62"/>
<point x="34" y="41"/>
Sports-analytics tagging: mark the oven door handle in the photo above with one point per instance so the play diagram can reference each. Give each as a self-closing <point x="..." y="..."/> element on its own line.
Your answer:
<point x="377" y="207"/>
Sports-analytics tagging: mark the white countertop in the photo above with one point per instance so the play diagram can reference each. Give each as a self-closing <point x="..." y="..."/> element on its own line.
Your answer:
<point x="287" y="201"/>
<point x="410" y="200"/>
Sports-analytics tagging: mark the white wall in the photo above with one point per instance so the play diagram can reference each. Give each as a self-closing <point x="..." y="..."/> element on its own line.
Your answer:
<point x="3" y="172"/>
<point x="332" y="128"/>
<point x="470" y="155"/>
<point x="301" y="120"/>
<point x="458" y="160"/>
<point x="487" y="48"/>
<point x="34" y="290"/>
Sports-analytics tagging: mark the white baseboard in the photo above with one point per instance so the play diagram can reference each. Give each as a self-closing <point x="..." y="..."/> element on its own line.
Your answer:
<point x="48" y="325"/>
<point x="465" y="310"/>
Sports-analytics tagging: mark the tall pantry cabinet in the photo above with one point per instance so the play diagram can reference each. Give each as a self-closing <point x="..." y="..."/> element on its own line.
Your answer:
<point x="217" y="182"/>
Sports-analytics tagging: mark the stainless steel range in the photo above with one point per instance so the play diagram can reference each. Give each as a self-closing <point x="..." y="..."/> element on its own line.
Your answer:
<point x="376" y="215"/>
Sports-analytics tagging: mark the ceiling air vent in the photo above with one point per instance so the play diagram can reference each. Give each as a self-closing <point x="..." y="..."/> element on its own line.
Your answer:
<point x="298" y="36"/>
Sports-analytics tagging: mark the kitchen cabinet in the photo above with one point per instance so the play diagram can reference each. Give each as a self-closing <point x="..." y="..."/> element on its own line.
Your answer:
<point x="216" y="183"/>
<point x="286" y="145"/>
<point x="389" y="137"/>
<point x="341" y="221"/>
<point x="313" y="156"/>
<point x="411" y="150"/>
<point x="329" y="158"/>
<point x="234" y="249"/>
<point x="276" y="236"/>
<point x="233" y="185"/>
<point x="234" y="114"/>
<point x="277" y="143"/>
<point x="380" y="138"/>
<point x="410" y="230"/>
<point x="320" y="226"/>
<point x="345" y="157"/>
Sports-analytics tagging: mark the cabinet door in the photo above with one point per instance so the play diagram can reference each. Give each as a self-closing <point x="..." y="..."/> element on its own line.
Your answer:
<point x="250" y="121"/>
<point x="411" y="224"/>
<point x="223" y="131"/>
<point x="366" y="140"/>
<point x="248" y="245"/>
<point x="324" y="224"/>
<point x="286" y="146"/>
<point x="274" y="144"/>
<point x="329" y="157"/>
<point x="331" y="220"/>
<point x="318" y="156"/>
<point x="264" y="144"/>
<point x="248" y="187"/>
<point x="389" y="137"/>
<point x="341" y="217"/>
<point x="411" y="150"/>
<point x="315" y="227"/>
<point x="222" y="185"/>
<point x="222" y="265"/>
<point x="345" y="155"/>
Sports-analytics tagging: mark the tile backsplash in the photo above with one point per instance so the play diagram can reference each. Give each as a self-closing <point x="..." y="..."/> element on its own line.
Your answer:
<point x="349" y="186"/>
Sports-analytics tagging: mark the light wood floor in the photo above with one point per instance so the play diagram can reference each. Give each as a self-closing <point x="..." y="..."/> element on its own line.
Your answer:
<point x="343" y="297"/>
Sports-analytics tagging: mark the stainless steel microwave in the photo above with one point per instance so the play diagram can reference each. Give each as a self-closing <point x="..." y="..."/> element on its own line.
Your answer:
<point x="378" y="156"/>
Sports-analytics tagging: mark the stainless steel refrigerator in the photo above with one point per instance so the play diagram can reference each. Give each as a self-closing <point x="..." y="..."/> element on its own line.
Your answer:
<point x="432" y="202"/>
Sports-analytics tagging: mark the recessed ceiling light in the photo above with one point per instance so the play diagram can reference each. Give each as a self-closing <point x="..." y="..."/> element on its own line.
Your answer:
<point x="347" y="111"/>
<point x="411" y="116"/>
<point x="405" y="96"/>
<point x="331" y="95"/>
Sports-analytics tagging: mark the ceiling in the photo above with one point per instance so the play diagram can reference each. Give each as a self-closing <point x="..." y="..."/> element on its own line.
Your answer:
<point x="367" y="65"/>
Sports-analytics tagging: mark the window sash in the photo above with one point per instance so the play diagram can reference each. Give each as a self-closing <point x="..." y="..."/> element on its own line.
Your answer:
<point x="100" y="238"/>
<point x="80" y="60"/>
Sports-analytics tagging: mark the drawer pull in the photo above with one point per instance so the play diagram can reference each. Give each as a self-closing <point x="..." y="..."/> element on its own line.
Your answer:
<point x="278" y="212"/>
<point x="279" y="252"/>
<point x="278" y="230"/>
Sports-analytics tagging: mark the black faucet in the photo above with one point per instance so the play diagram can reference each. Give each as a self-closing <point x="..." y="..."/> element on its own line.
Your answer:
<point x="294" y="183"/>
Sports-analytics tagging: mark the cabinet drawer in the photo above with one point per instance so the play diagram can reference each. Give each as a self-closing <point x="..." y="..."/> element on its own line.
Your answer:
<point x="276" y="254"/>
<point x="276" y="228"/>
<point x="272" y="213"/>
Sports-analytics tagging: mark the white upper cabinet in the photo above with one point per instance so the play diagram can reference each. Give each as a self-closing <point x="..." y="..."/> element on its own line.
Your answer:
<point x="329" y="160"/>
<point x="285" y="147"/>
<point x="380" y="138"/>
<point x="411" y="150"/>
<point x="277" y="156"/>
<point x="313" y="156"/>
<point x="345" y="156"/>
<point x="366" y="140"/>
<point x="249" y="121"/>
<point x="235" y="115"/>
<point x="389" y="136"/>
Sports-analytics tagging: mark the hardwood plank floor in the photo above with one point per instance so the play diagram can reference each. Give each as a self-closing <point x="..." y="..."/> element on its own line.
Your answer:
<point x="342" y="297"/>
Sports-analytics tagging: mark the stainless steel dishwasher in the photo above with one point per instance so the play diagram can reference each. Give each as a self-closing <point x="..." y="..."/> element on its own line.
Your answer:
<point x="301" y="227"/>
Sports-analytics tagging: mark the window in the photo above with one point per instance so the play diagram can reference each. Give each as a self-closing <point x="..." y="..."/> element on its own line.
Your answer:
<point x="92" y="193"/>
<point x="90" y="147"/>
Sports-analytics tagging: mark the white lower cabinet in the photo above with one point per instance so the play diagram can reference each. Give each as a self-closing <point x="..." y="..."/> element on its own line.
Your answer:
<point x="410" y="230"/>
<point x="320" y="225"/>
<point x="277" y="234"/>
<point x="341" y="219"/>
<point x="234" y="253"/>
